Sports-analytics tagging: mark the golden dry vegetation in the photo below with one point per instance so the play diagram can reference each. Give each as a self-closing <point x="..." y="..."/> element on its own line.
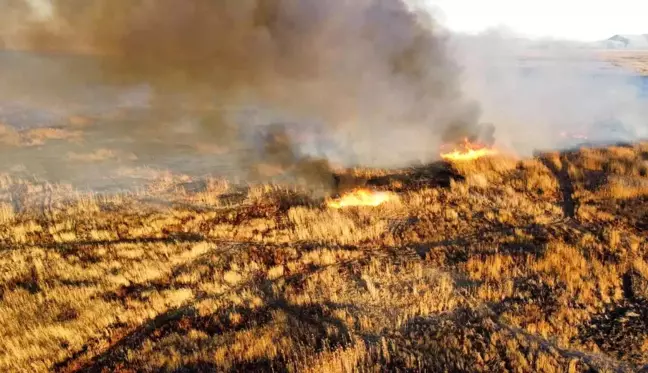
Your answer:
<point x="536" y="265"/>
<point x="636" y="61"/>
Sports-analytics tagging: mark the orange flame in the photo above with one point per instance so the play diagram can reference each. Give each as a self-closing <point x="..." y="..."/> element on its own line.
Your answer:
<point x="361" y="197"/>
<point x="468" y="152"/>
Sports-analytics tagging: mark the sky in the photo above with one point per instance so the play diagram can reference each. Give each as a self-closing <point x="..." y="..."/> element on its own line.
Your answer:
<point x="581" y="20"/>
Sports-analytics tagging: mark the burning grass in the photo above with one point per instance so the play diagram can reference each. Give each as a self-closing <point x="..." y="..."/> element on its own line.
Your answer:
<point x="467" y="151"/>
<point x="362" y="198"/>
<point x="498" y="265"/>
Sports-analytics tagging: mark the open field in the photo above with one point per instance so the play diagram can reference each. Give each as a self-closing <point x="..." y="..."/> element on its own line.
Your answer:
<point x="492" y="265"/>
<point x="636" y="61"/>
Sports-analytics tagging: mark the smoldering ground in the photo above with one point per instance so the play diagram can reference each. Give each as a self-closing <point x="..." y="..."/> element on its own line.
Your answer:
<point x="373" y="75"/>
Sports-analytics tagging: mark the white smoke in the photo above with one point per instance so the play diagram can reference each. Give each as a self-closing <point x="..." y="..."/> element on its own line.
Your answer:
<point x="532" y="91"/>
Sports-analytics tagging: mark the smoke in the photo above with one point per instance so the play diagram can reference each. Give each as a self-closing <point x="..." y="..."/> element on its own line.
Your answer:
<point x="538" y="92"/>
<point x="289" y="86"/>
<point x="372" y="75"/>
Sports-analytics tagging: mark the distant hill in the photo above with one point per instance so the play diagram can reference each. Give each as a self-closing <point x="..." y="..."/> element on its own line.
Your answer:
<point x="625" y="42"/>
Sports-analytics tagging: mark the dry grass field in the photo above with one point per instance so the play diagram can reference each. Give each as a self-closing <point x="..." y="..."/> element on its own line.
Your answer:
<point x="536" y="265"/>
<point x="636" y="61"/>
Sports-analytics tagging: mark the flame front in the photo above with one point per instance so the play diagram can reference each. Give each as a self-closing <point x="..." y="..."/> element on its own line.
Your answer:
<point x="468" y="152"/>
<point x="361" y="197"/>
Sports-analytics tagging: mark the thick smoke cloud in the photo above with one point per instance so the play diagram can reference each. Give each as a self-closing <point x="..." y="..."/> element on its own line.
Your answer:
<point x="366" y="70"/>
<point x="291" y="85"/>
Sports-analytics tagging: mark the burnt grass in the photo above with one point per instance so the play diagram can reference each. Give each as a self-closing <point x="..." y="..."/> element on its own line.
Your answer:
<point x="494" y="265"/>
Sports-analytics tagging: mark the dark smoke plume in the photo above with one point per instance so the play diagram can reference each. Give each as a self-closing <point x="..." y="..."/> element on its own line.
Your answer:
<point x="372" y="72"/>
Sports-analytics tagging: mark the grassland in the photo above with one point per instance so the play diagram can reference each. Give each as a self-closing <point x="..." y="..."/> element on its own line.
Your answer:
<point x="536" y="265"/>
<point x="636" y="61"/>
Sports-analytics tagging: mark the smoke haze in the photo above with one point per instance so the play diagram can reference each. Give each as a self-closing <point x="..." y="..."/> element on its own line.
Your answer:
<point x="370" y="82"/>
<point x="362" y="68"/>
<point x="535" y="91"/>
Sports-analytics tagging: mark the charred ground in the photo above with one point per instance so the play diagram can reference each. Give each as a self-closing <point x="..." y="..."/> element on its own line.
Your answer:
<point x="494" y="265"/>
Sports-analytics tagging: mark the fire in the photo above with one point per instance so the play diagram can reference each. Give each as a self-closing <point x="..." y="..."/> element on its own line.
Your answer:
<point x="361" y="197"/>
<point x="468" y="152"/>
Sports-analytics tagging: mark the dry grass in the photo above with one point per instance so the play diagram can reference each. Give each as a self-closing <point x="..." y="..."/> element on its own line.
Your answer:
<point x="524" y="265"/>
<point x="36" y="136"/>
<point x="100" y="155"/>
<point x="79" y="121"/>
<point x="632" y="60"/>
